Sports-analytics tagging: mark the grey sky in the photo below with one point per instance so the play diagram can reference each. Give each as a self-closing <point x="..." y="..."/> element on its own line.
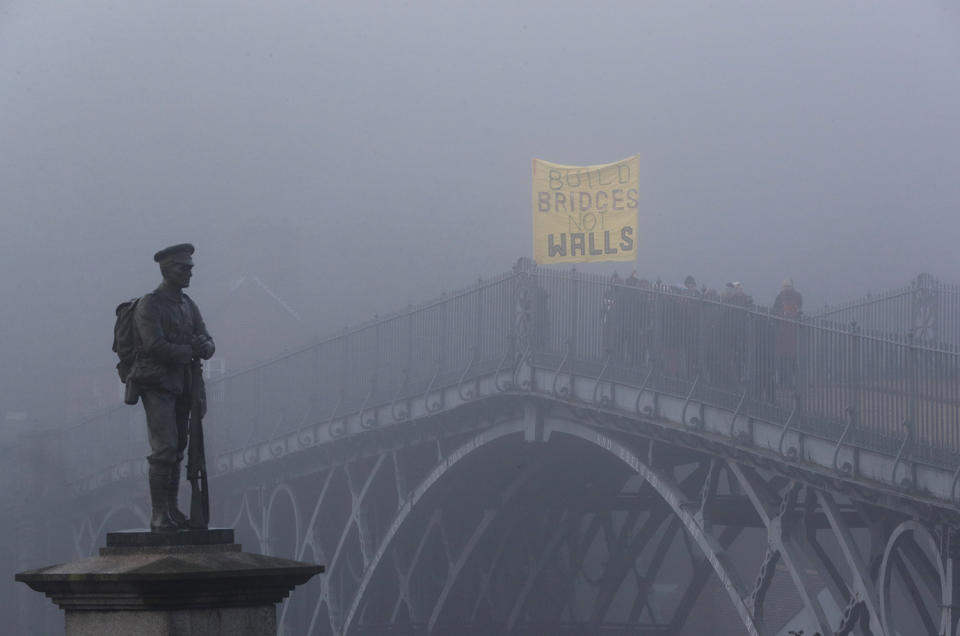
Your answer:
<point x="360" y="155"/>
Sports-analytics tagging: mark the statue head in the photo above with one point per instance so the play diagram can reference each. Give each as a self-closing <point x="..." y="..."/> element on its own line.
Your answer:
<point x="176" y="264"/>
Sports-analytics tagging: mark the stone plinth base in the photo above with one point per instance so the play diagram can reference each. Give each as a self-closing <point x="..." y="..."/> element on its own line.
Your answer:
<point x="229" y="621"/>
<point x="189" y="583"/>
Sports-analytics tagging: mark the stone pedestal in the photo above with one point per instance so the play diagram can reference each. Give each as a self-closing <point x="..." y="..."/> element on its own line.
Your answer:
<point x="188" y="583"/>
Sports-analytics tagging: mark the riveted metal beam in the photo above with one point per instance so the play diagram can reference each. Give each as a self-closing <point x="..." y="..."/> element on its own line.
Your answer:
<point x="861" y="581"/>
<point x="782" y="541"/>
<point x="682" y="507"/>
<point x="698" y="580"/>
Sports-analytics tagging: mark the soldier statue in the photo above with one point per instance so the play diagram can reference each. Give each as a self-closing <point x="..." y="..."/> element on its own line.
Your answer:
<point x="171" y="339"/>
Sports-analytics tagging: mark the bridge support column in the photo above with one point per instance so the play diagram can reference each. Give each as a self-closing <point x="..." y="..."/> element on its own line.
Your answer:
<point x="189" y="583"/>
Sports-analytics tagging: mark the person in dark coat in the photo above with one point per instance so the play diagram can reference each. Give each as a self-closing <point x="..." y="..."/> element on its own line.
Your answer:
<point x="171" y="340"/>
<point x="691" y="316"/>
<point x="734" y="334"/>
<point x="636" y="318"/>
<point x="531" y="322"/>
<point x="612" y="319"/>
<point x="788" y="304"/>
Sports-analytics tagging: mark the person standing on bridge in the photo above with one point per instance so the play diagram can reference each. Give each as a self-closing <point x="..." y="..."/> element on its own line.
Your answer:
<point x="611" y="319"/>
<point x="634" y="318"/>
<point x="690" y="316"/>
<point x="788" y="304"/>
<point x="171" y="340"/>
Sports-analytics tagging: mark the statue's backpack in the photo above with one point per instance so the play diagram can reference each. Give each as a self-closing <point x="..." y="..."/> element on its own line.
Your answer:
<point x="125" y="340"/>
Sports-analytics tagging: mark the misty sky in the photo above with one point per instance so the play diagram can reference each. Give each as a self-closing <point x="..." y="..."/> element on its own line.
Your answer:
<point x="360" y="155"/>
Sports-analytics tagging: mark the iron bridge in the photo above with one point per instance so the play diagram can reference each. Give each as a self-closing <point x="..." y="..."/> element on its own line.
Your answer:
<point x="552" y="452"/>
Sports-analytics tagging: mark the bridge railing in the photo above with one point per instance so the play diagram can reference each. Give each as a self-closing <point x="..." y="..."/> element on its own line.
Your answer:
<point x="97" y="442"/>
<point x="833" y="375"/>
<point x="926" y="310"/>
<point x="388" y="360"/>
<point x="885" y="386"/>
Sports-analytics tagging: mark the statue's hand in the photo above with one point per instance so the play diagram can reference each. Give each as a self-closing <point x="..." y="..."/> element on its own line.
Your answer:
<point x="203" y="348"/>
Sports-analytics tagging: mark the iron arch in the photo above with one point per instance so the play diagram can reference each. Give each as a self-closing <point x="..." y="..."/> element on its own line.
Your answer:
<point x="269" y="520"/>
<point x="915" y="531"/>
<point x="671" y="495"/>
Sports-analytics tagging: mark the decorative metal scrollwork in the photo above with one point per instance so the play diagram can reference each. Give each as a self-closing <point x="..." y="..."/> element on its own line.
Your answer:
<point x="336" y="432"/>
<point x="925" y="306"/>
<point x="906" y="483"/>
<point x="564" y="391"/>
<point x="643" y="388"/>
<point x="847" y="467"/>
<point x="529" y="321"/>
<point x="706" y="493"/>
<point x="402" y="414"/>
<point x="694" y="422"/>
<point x="470" y="393"/>
<point x="792" y="452"/>
<point x="372" y="422"/>
<point x="511" y="342"/>
<point x="433" y="407"/>
<point x="736" y="414"/>
<point x="515" y="377"/>
<point x="603" y="400"/>
<point x="762" y="582"/>
<point x="307" y="437"/>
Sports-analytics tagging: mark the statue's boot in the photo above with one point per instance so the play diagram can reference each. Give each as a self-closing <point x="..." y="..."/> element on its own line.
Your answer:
<point x="173" y="490"/>
<point x="161" y="520"/>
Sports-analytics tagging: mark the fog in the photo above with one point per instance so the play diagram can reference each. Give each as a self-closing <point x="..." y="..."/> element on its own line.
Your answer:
<point x="352" y="157"/>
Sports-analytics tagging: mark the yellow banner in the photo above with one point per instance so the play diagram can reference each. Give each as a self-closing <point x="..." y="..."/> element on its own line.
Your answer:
<point x="585" y="214"/>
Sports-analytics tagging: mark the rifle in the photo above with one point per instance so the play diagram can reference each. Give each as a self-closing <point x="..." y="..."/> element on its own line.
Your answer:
<point x="196" y="460"/>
